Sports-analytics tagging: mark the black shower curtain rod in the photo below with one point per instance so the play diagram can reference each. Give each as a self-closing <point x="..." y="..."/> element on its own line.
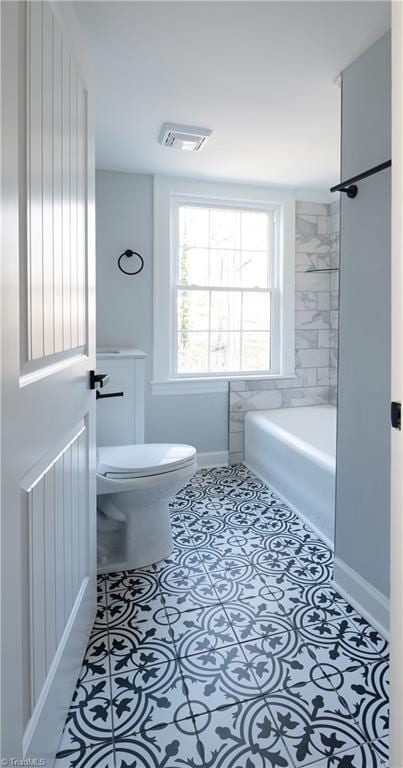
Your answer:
<point x="350" y="187"/>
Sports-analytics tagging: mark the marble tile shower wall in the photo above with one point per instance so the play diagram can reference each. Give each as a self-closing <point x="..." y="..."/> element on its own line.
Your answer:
<point x="316" y="328"/>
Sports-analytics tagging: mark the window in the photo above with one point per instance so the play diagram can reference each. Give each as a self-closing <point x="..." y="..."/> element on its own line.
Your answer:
<point x="224" y="291"/>
<point x="223" y="284"/>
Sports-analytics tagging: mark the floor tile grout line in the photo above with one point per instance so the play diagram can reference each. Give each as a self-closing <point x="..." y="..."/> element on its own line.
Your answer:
<point x="162" y="592"/>
<point x="176" y="659"/>
<point x="157" y="727"/>
<point x="267" y="535"/>
<point x="293" y="626"/>
<point x="368" y="740"/>
<point x="247" y="701"/>
<point x="224" y="602"/>
<point x="239" y="644"/>
<point x="111" y="704"/>
<point x="346" y="618"/>
<point x="231" y="704"/>
<point x="374" y="741"/>
<point x="342" y="752"/>
<point x="263" y="695"/>
<point x="185" y="688"/>
<point x="274" y="720"/>
<point x="86" y="747"/>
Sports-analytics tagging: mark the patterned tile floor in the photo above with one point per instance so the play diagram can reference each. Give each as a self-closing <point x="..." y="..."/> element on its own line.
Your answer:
<point x="235" y="652"/>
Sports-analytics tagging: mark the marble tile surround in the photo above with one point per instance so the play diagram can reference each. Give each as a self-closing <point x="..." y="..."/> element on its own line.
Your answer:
<point x="316" y="328"/>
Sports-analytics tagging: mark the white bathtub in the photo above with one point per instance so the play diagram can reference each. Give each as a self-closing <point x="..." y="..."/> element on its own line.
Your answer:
<point x="294" y="451"/>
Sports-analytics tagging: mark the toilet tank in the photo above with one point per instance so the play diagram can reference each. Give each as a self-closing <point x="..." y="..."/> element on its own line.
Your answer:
<point x="120" y="420"/>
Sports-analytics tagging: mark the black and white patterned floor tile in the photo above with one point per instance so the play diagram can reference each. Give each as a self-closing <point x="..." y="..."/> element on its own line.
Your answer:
<point x="215" y="679"/>
<point x="175" y="745"/>
<point x="313" y="722"/>
<point x="234" y="652"/>
<point x="96" y="662"/>
<point x="243" y="735"/>
<point x="148" y="697"/>
<point x="90" y="716"/>
<point x="239" y="583"/>
<point x="201" y="630"/>
<point x="187" y="593"/>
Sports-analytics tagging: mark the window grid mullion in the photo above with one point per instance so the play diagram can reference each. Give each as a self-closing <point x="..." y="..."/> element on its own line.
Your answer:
<point x="240" y="284"/>
<point x="209" y="248"/>
<point x="209" y="333"/>
<point x="240" y="248"/>
<point x="221" y="330"/>
<point x="174" y="319"/>
<point x="270" y="252"/>
<point x="209" y="297"/>
<point x="226" y="288"/>
<point x="241" y="335"/>
<point x="222" y="248"/>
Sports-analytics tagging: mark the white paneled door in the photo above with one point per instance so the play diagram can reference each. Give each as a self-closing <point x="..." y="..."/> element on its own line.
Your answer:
<point x="48" y="435"/>
<point x="396" y="581"/>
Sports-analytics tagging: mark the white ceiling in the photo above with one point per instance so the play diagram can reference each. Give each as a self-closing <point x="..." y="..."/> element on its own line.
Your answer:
<point x="259" y="74"/>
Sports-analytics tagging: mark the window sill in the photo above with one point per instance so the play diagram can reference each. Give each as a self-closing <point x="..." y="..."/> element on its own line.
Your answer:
<point x="207" y="385"/>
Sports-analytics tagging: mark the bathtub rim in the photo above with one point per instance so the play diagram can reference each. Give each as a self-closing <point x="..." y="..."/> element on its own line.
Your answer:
<point x="322" y="458"/>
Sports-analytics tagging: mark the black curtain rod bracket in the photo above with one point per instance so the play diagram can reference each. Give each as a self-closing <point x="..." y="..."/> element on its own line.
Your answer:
<point x="350" y="185"/>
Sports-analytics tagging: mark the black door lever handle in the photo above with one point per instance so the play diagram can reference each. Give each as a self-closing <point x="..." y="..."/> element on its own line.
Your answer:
<point x="110" y="394"/>
<point x="98" y="379"/>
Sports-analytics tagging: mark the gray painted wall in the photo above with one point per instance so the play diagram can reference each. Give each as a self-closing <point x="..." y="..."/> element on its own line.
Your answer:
<point x="363" y="453"/>
<point x="124" y="215"/>
<point x="366" y="100"/>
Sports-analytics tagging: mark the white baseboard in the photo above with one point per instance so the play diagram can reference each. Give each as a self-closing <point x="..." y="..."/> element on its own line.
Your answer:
<point x="365" y="598"/>
<point x="213" y="459"/>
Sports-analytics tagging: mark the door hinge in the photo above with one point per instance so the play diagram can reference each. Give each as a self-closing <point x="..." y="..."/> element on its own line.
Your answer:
<point x="396" y="414"/>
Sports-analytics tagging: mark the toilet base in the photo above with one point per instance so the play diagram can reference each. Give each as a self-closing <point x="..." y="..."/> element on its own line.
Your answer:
<point x="148" y="535"/>
<point x="140" y="507"/>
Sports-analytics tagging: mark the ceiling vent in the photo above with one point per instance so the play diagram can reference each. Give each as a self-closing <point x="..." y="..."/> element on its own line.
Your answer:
<point x="185" y="137"/>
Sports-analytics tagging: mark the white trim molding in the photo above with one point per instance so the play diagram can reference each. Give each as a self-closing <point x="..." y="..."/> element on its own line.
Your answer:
<point x="167" y="191"/>
<point x="203" y="385"/>
<point x="212" y="459"/>
<point x="366" y="599"/>
<point x="189" y="386"/>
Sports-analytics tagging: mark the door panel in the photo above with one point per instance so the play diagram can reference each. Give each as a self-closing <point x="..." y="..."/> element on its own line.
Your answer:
<point x="57" y="146"/>
<point x="48" y="343"/>
<point x="57" y="508"/>
<point x="57" y="149"/>
<point x="35" y="319"/>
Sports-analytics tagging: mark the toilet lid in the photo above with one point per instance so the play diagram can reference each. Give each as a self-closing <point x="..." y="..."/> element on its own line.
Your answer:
<point x="143" y="460"/>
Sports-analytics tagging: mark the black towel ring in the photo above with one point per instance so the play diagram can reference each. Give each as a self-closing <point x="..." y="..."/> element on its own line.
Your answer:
<point x="128" y="254"/>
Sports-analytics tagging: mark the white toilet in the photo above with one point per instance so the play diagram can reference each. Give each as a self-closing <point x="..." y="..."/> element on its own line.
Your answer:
<point x="135" y="480"/>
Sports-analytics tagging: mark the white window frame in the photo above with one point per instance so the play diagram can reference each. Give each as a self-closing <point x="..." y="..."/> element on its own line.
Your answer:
<point x="169" y="193"/>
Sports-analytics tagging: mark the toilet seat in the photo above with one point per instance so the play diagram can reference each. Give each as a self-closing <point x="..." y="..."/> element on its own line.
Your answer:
<point x="143" y="460"/>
